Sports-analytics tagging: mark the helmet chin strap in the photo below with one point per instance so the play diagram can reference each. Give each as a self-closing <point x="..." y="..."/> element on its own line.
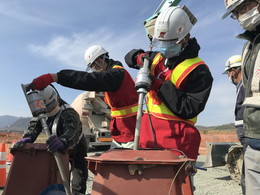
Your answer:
<point x="98" y="65"/>
<point x="104" y="57"/>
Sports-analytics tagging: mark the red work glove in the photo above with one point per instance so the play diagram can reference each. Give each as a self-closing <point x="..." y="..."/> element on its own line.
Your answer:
<point x="156" y="84"/>
<point x="140" y="59"/>
<point x="41" y="82"/>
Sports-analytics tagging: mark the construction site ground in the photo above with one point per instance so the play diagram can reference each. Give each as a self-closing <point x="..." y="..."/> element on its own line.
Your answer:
<point x="214" y="181"/>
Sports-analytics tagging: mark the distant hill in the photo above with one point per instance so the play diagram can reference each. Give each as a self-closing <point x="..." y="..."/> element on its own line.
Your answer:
<point x="229" y="126"/>
<point x="7" y="120"/>
<point x="20" y="124"/>
<point x="13" y="123"/>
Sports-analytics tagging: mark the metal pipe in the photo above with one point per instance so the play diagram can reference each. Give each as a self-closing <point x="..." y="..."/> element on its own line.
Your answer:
<point x="138" y="120"/>
<point x="143" y="84"/>
<point x="57" y="157"/>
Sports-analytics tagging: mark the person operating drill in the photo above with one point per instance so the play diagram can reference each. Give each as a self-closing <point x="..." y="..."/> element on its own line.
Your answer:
<point x="110" y="77"/>
<point x="66" y="132"/>
<point x="180" y="88"/>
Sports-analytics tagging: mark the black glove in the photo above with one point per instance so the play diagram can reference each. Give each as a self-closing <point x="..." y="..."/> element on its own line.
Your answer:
<point x="131" y="58"/>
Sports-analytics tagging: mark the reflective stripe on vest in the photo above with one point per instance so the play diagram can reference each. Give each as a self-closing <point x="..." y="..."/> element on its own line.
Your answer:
<point x="180" y="72"/>
<point x="156" y="61"/>
<point x="122" y="112"/>
<point x="155" y="106"/>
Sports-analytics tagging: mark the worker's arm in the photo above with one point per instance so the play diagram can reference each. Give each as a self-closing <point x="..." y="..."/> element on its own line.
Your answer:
<point x="33" y="130"/>
<point x="70" y="127"/>
<point x="189" y="102"/>
<point x="109" y="80"/>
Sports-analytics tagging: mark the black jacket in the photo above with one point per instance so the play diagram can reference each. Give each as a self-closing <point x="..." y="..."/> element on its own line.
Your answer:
<point x="239" y="111"/>
<point x="109" y="80"/>
<point x="69" y="127"/>
<point x="189" y="102"/>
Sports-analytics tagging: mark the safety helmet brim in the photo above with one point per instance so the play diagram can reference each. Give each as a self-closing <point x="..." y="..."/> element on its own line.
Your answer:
<point x="231" y="8"/>
<point x="226" y="70"/>
<point x="233" y="62"/>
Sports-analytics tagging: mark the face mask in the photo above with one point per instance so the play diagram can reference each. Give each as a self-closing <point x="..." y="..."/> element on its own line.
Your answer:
<point x="250" y="19"/>
<point x="172" y="51"/>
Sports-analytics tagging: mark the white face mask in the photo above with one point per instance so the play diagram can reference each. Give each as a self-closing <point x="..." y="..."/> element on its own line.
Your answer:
<point x="172" y="51"/>
<point x="250" y="19"/>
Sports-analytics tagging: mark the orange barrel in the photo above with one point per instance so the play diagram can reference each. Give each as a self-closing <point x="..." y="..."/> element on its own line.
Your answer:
<point x="146" y="172"/>
<point x="2" y="165"/>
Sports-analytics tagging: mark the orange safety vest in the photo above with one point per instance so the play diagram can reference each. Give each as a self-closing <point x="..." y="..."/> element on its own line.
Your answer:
<point x="124" y="111"/>
<point x="154" y="105"/>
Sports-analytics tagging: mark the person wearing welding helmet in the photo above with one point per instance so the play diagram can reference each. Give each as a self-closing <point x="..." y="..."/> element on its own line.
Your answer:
<point x="180" y="88"/>
<point x="66" y="132"/>
<point x="107" y="76"/>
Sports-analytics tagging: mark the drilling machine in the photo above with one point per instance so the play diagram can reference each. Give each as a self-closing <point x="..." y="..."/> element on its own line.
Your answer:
<point x="142" y="85"/>
<point x="38" y="109"/>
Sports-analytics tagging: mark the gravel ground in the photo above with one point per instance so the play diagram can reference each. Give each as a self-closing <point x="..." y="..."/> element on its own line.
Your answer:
<point x="214" y="181"/>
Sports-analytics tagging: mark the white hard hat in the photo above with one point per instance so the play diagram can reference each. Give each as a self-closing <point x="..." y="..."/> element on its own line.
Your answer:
<point x="93" y="52"/>
<point x="233" y="62"/>
<point x="173" y="24"/>
<point x="51" y="101"/>
<point x="230" y="6"/>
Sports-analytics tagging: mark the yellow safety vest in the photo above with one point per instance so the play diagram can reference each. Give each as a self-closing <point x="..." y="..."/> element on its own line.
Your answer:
<point x="154" y="105"/>
<point x="121" y="112"/>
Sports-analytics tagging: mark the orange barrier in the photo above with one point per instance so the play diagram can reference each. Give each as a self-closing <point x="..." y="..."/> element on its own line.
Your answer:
<point x="2" y="165"/>
<point x="10" y="156"/>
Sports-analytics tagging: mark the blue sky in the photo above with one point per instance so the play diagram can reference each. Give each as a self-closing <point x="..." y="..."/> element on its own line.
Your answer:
<point x="45" y="36"/>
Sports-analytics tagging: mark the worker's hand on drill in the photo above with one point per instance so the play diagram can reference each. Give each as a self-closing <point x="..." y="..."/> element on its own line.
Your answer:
<point x="41" y="82"/>
<point x="141" y="57"/>
<point x="54" y="144"/>
<point x="20" y="143"/>
<point x="131" y="58"/>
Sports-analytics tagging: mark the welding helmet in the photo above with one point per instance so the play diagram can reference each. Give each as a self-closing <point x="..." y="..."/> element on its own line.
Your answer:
<point x="51" y="100"/>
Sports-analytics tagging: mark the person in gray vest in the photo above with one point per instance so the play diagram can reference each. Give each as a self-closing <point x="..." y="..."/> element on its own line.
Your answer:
<point x="233" y="71"/>
<point x="247" y="13"/>
<point x="66" y="132"/>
